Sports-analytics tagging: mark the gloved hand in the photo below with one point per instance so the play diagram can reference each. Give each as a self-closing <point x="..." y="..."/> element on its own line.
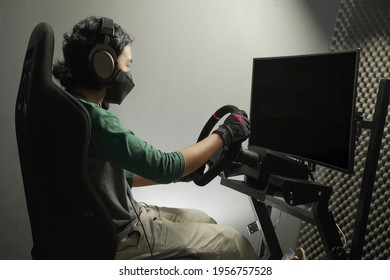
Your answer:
<point x="236" y="128"/>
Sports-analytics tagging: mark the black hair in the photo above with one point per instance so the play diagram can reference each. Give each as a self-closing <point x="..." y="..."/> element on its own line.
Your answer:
<point x="75" y="69"/>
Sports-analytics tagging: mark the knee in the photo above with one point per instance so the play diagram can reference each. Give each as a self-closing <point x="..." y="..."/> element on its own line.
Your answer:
<point x="202" y="217"/>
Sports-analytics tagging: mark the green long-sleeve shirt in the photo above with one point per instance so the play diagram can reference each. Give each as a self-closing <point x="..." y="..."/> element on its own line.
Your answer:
<point x="111" y="142"/>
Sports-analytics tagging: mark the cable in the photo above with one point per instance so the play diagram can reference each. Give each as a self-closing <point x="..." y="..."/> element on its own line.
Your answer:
<point x="277" y="221"/>
<point x="343" y="235"/>
<point x="143" y="228"/>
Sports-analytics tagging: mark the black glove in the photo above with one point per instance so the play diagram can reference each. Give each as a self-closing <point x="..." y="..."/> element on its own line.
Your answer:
<point x="236" y="128"/>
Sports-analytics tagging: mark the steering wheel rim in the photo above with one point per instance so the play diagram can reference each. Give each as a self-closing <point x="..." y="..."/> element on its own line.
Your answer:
<point x="202" y="178"/>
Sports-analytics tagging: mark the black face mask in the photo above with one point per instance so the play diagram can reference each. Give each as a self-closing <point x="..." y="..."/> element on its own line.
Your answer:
<point x="119" y="88"/>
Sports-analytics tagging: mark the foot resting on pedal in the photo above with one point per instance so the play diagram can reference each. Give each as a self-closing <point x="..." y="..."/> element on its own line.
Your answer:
<point x="299" y="254"/>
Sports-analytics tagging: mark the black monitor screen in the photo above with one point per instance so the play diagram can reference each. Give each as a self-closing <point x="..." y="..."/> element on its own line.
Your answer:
<point x="303" y="106"/>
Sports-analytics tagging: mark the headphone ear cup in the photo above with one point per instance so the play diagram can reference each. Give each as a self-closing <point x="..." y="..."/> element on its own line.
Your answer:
<point x="102" y="61"/>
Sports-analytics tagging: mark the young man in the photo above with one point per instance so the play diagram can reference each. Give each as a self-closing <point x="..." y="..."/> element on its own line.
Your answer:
<point x="97" y="60"/>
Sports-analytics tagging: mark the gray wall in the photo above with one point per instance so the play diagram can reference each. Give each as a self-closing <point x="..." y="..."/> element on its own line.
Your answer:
<point x="190" y="58"/>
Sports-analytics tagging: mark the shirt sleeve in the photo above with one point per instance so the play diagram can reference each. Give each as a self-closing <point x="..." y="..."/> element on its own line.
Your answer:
<point x="110" y="141"/>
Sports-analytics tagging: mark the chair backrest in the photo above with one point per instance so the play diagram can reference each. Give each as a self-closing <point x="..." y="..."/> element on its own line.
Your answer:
<point x="68" y="220"/>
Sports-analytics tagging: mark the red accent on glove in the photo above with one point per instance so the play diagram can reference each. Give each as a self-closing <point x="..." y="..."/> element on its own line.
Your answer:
<point x="238" y="117"/>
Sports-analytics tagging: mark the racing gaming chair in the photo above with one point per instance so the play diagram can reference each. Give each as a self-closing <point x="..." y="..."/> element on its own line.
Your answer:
<point x="68" y="220"/>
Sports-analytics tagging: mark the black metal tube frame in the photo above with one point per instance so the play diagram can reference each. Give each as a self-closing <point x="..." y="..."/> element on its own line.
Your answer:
<point x="376" y="125"/>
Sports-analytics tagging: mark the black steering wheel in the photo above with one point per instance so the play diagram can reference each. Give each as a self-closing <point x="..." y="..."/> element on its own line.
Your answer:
<point x="224" y="157"/>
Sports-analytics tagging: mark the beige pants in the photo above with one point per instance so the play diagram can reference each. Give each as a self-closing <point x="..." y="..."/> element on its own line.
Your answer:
<point x="177" y="233"/>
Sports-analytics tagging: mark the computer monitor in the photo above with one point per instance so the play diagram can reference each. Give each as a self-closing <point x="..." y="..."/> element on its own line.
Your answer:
<point x="303" y="106"/>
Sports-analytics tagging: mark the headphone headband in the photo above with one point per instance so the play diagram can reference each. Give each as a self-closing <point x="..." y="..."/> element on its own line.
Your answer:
<point x="107" y="26"/>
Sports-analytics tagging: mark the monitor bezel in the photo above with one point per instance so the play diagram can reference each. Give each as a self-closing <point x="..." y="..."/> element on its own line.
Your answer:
<point x="353" y="120"/>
